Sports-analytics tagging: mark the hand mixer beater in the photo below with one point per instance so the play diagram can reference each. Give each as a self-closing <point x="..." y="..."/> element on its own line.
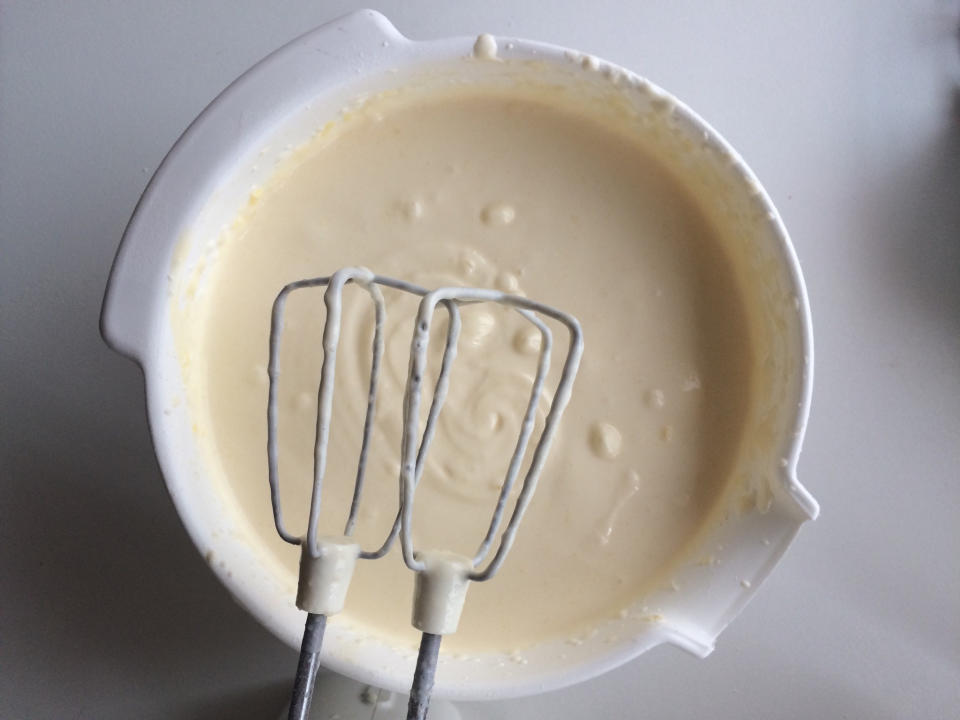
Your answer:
<point x="442" y="577"/>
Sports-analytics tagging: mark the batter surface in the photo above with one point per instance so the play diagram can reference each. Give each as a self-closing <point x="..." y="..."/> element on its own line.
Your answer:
<point x="489" y="188"/>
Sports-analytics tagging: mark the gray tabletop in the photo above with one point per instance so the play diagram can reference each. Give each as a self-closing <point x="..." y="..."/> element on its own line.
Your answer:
<point x="848" y="113"/>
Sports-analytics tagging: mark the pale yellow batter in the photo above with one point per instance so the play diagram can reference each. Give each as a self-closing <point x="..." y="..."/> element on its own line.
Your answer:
<point x="487" y="188"/>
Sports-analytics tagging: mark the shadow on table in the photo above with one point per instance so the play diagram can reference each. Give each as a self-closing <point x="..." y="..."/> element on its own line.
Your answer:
<point x="256" y="703"/>
<point x="106" y="596"/>
<point x="770" y="684"/>
<point x="921" y="210"/>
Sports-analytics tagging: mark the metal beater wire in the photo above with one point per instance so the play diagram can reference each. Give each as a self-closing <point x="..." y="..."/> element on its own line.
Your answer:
<point x="341" y="278"/>
<point x="426" y="667"/>
<point x="411" y="405"/>
<point x="414" y="449"/>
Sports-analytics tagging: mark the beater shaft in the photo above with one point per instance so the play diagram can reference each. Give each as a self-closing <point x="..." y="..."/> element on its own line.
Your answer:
<point x="307" y="667"/>
<point x="423" y="676"/>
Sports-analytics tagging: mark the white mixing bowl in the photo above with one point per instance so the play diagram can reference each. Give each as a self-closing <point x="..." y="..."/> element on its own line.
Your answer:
<point x="237" y="142"/>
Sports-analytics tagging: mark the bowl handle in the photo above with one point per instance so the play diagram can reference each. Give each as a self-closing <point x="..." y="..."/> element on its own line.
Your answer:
<point x="138" y="278"/>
